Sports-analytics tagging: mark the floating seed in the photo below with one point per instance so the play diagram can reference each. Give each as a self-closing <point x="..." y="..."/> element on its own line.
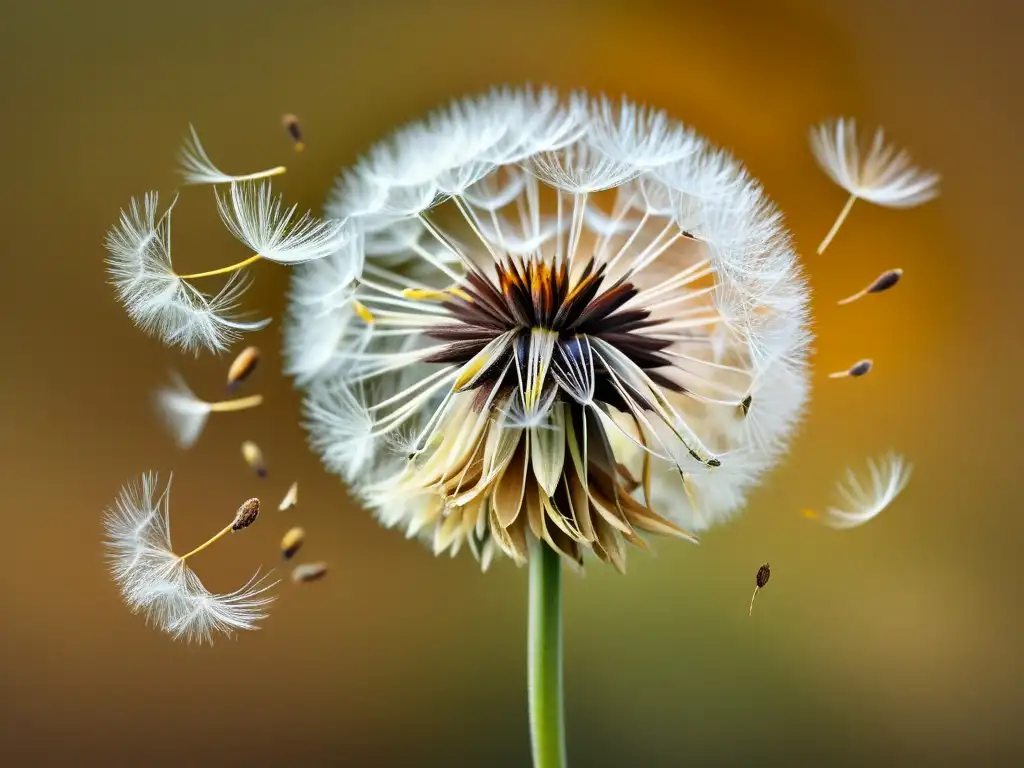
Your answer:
<point x="309" y="572"/>
<point x="292" y="542"/>
<point x="859" y="368"/>
<point x="291" y="124"/>
<point x="883" y="282"/>
<point x="242" y="366"/>
<point x="254" y="458"/>
<point x="745" y="405"/>
<point x="763" y="574"/>
<point x="246" y="515"/>
<point x="290" y="499"/>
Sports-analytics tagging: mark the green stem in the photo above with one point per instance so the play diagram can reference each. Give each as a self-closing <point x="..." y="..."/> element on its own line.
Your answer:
<point x="544" y="643"/>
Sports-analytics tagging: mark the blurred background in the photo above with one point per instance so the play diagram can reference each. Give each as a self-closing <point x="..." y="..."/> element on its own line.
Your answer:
<point x="896" y="643"/>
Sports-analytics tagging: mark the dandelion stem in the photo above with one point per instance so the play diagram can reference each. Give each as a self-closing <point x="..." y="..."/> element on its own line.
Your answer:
<point x="238" y="404"/>
<point x="839" y="222"/>
<point x="544" y="645"/>
<point x="223" y="270"/>
<point x="208" y="542"/>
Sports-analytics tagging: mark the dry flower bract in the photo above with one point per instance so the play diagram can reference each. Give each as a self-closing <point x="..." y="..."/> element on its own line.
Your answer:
<point x="883" y="176"/>
<point x="291" y="498"/>
<point x="861" y="501"/>
<point x="574" y="321"/>
<point x="254" y="458"/>
<point x="156" y="582"/>
<point x="242" y="366"/>
<point x="309" y="572"/>
<point x="292" y="542"/>
<point x="185" y="415"/>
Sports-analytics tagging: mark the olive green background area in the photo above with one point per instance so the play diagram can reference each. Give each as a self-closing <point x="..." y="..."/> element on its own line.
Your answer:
<point x="894" y="644"/>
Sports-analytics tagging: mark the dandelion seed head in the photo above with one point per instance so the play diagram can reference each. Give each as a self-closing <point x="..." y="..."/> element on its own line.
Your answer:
<point x="576" y="319"/>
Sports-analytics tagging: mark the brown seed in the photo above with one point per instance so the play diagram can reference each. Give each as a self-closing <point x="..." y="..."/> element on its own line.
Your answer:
<point x="242" y="366"/>
<point x="763" y="574"/>
<point x="291" y="124"/>
<point x="309" y="572"/>
<point x="254" y="458"/>
<point x="292" y="542"/>
<point x="883" y="282"/>
<point x="860" y="368"/>
<point x="745" y="405"/>
<point x="246" y="515"/>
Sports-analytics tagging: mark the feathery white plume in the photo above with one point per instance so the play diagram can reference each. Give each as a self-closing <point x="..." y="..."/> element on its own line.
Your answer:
<point x="157" y="299"/>
<point x="254" y="216"/>
<point x="158" y="583"/>
<point x="197" y="168"/>
<point x="883" y="176"/>
<point x="889" y="475"/>
<point x="185" y="415"/>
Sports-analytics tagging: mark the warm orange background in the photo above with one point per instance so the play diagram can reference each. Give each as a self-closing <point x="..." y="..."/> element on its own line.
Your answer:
<point x="897" y="643"/>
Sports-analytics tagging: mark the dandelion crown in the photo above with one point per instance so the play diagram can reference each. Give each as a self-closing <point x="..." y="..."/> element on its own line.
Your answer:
<point x="572" y="321"/>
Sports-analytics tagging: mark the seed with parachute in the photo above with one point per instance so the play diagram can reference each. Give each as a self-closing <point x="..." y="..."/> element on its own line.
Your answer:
<point x="860" y="368"/>
<point x="883" y="282"/>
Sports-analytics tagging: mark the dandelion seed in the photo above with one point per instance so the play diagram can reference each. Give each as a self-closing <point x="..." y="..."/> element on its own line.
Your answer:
<point x="197" y="168"/>
<point x="157" y="299"/>
<point x="560" y="306"/>
<point x="862" y="502"/>
<point x="884" y="177"/>
<point x="291" y="124"/>
<point x="242" y="366"/>
<point x="185" y="415"/>
<point x="860" y="368"/>
<point x="883" y="282"/>
<point x="256" y="218"/>
<point x="763" y="574"/>
<point x="292" y="542"/>
<point x="290" y="499"/>
<point x="254" y="458"/>
<point x="157" y="583"/>
<point x="309" y="572"/>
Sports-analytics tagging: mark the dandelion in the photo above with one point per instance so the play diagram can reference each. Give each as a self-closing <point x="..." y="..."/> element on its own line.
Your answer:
<point x="159" y="584"/>
<point x="862" y="502"/>
<point x="882" y="283"/>
<point x="242" y="366"/>
<point x="575" y="325"/>
<point x="291" y="498"/>
<point x="883" y="177"/>
<point x="185" y="415"/>
<point x="858" y="369"/>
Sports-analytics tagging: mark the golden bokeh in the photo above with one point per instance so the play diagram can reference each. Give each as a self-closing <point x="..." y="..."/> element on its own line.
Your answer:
<point x="893" y="644"/>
